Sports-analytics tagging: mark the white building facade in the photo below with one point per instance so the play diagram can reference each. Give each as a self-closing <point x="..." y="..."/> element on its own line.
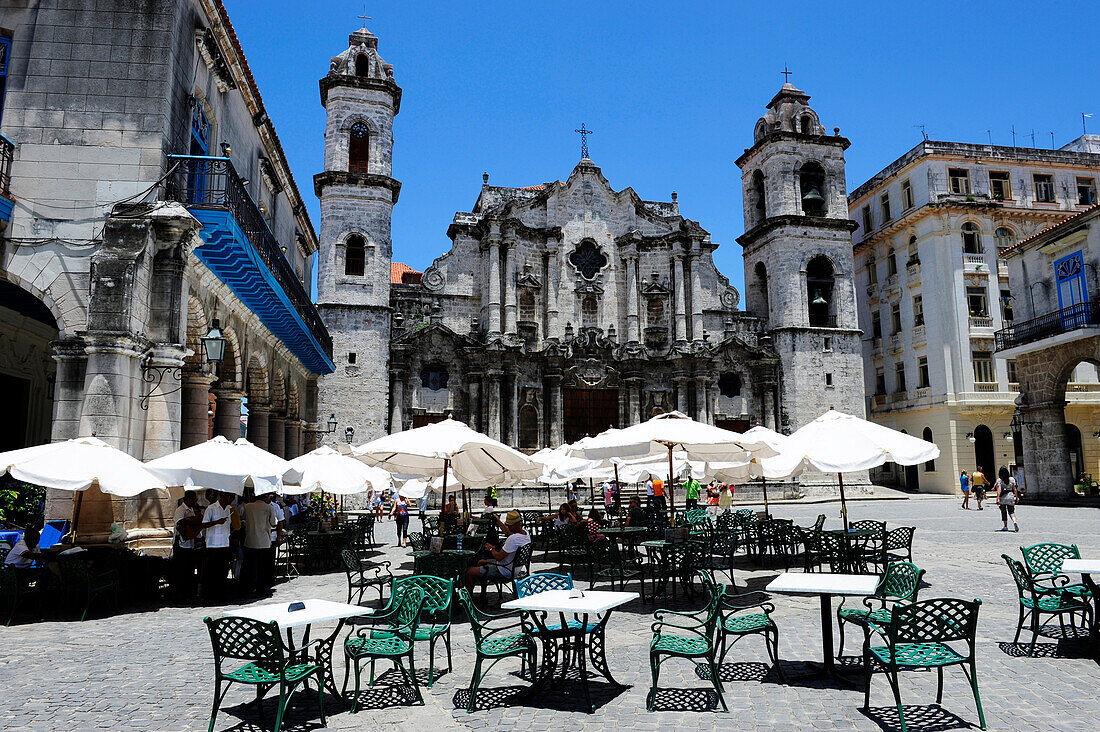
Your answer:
<point x="933" y="290"/>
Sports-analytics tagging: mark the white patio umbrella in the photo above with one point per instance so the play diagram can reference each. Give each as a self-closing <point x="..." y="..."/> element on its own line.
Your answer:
<point x="77" y="465"/>
<point x="757" y="467"/>
<point x="478" y="461"/>
<point x="667" y="432"/>
<point x="326" y="470"/>
<point x="226" y="466"/>
<point x="839" y="443"/>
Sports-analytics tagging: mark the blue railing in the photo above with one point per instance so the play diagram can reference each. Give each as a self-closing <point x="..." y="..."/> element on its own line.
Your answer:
<point x="7" y="153"/>
<point x="213" y="183"/>
<point x="1061" y="321"/>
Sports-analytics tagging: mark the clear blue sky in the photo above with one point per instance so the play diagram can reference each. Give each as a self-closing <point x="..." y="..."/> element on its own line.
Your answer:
<point x="672" y="90"/>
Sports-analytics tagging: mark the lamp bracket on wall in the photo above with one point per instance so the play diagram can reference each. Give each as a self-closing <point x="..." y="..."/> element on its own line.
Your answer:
<point x="154" y="375"/>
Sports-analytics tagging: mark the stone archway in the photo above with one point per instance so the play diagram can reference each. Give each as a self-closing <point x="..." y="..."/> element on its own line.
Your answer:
<point x="27" y="368"/>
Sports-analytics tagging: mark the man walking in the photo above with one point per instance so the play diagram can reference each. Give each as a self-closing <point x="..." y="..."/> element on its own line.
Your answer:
<point x="691" y="493"/>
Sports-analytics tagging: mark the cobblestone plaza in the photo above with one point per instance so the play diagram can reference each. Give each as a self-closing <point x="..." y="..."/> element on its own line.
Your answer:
<point x="152" y="669"/>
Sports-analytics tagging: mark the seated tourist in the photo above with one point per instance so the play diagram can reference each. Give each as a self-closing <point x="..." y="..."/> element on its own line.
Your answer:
<point x="499" y="565"/>
<point x="635" y="515"/>
<point x="593" y="525"/>
<point x="565" y="517"/>
<point x="25" y="552"/>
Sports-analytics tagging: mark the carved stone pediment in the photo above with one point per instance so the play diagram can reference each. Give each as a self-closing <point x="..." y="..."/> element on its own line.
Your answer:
<point x="588" y="288"/>
<point x="653" y="287"/>
<point x="527" y="278"/>
<point x="591" y="373"/>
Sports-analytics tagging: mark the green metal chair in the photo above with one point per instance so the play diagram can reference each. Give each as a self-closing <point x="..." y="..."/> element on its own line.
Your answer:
<point x="1037" y="600"/>
<point x="82" y="583"/>
<point x="737" y="623"/>
<point x="1044" y="562"/>
<point x="436" y="620"/>
<point x="609" y="564"/>
<point x="390" y="636"/>
<point x="267" y="666"/>
<point x="363" y="574"/>
<point x="494" y="641"/>
<point x="872" y="550"/>
<point x="690" y="636"/>
<point x="899" y="544"/>
<point x="15" y="589"/>
<point x="419" y="542"/>
<point x="900" y="583"/>
<point x="919" y="637"/>
<point x="520" y="567"/>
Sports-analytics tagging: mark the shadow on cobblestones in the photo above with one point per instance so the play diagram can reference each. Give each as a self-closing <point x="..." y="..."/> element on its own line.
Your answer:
<point x="390" y="689"/>
<point x="685" y="700"/>
<point x="747" y="671"/>
<point x="1068" y="648"/>
<point x="918" y="717"/>
<point x="302" y="714"/>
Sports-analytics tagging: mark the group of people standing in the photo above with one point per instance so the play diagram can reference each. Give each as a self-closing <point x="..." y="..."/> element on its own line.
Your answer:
<point x="230" y="534"/>
<point x="1005" y="491"/>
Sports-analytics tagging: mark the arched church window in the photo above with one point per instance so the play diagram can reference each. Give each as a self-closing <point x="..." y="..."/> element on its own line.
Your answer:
<point x="362" y="65"/>
<point x="589" y="311"/>
<point x="528" y="419"/>
<point x="588" y="259"/>
<point x="761" y="287"/>
<point x="819" y="288"/>
<point x="729" y="384"/>
<point x="355" y="256"/>
<point x="812" y="184"/>
<point x="807" y="126"/>
<point x="758" y="195"/>
<point x="972" y="239"/>
<point x="930" y="466"/>
<point x="358" y="148"/>
<point x="527" y="306"/>
<point x="1004" y="237"/>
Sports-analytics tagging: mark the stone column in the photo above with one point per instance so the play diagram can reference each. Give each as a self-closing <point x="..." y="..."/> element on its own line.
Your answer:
<point x="679" y="300"/>
<point x="195" y="416"/>
<point x="227" y="413"/>
<point x="681" y="394"/>
<point x="696" y="299"/>
<point x="777" y="416"/>
<point x="632" y="329"/>
<point x="397" y="407"/>
<point x="258" y="424"/>
<point x="493" y="405"/>
<point x="475" y="403"/>
<point x="292" y="448"/>
<point x="510" y="286"/>
<point x="112" y="388"/>
<point x="552" y="289"/>
<point x="1046" y="451"/>
<point x="701" y="400"/>
<point x="494" y="286"/>
<point x="68" y="395"/>
<point x="634" y="398"/>
<point x="163" y="406"/>
<point x="276" y="434"/>
<point x="554" y="406"/>
<point x="513" y="411"/>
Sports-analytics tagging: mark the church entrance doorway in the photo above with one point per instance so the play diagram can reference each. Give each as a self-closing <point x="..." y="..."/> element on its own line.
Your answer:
<point x="733" y="425"/>
<point x="589" y="412"/>
<point x="423" y="420"/>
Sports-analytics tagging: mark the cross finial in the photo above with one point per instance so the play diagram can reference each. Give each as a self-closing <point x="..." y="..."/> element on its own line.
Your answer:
<point x="584" y="133"/>
<point x="786" y="74"/>
<point x="364" y="16"/>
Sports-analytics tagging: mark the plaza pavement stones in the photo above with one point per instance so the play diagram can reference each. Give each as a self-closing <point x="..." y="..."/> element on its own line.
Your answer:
<point x="151" y="669"/>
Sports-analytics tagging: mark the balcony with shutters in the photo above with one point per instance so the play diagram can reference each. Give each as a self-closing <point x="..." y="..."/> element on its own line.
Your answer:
<point x="975" y="264"/>
<point x="239" y="247"/>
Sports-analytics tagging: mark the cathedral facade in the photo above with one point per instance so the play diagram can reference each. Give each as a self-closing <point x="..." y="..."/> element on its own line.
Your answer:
<point x="568" y="307"/>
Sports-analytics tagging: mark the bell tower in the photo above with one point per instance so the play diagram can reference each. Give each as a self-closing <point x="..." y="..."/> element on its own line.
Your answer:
<point x="357" y="193"/>
<point x="799" y="270"/>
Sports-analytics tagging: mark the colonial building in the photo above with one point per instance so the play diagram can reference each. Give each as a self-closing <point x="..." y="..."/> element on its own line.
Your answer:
<point x="1056" y="330"/>
<point x="567" y="307"/>
<point x="930" y="230"/>
<point x="148" y="196"/>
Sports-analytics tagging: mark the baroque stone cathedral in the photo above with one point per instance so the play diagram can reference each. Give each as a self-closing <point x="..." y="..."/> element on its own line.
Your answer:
<point x="569" y="307"/>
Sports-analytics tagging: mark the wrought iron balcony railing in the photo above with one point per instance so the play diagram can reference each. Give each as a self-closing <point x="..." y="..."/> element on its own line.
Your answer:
<point x="1061" y="321"/>
<point x="7" y="153"/>
<point x="206" y="182"/>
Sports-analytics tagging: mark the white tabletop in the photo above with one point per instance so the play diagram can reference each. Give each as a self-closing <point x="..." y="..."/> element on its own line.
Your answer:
<point x="822" y="583"/>
<point x="315" y="611"/>
<point x="1084" y="566"/>
<point x="594" y="602"/>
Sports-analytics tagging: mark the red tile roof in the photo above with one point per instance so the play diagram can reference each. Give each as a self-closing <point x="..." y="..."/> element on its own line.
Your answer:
<point x="403" y="274"/>
<point x="1063" y="222"/>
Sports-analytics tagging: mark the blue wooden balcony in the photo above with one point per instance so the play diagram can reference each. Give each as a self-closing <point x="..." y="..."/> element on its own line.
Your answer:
<point x="7" y="153"/>
<point x="241" y="250"/>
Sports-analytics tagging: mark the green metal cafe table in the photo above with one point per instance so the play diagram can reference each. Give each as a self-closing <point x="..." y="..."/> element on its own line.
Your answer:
<point x="312" y="611"/>
<point x="579" y="637"/>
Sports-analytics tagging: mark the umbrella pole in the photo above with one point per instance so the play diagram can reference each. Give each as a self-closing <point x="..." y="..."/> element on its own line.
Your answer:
<point x="764" y="486"/>
<point x="591" y="494"/>
<point x="671" y="500"/>
<point x="76" y="513"/>
<point x="617" y="491"/>
<point x="446" y="464"/>
<point x="549" y="507"/>
<point x="843" y="503"/>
